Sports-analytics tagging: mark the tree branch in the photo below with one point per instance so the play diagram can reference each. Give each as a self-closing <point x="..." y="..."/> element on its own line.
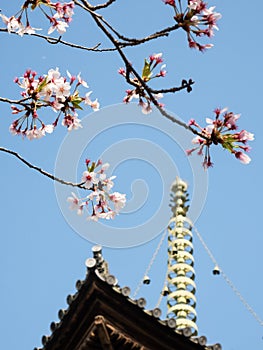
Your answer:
<point x="130" y="68"/>
<point x="103" y="6"/>
<point x="136" y="41"/>
<point x="184" y="85"/>
<point x="43" y="172"/>
<point x="15" y="102"/>
<point x="54" y="41"/>
<point x="126" y="41"/>
<point x="101" y="23"/>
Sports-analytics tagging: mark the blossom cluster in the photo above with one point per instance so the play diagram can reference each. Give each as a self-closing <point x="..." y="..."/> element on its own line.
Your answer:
<point x="147" y="74"/>
<point x="51" y="90"/>
<point x="59" y="16"/>
<point x="221" y="130"/>
<point x="99" y="202"/>
<point x="197" y="20"/>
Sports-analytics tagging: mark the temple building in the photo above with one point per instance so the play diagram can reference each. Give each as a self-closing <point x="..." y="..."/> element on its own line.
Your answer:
<point x="102" y="316"/>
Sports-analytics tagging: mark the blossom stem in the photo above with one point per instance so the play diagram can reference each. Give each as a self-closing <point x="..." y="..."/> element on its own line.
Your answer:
<point x="43" y="172"/>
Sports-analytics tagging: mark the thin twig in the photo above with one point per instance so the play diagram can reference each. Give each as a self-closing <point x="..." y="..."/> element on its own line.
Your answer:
<point x="43" y="172"/>
<point x="15" y="102"/>
<point x="103" y="6"/>
<point x="52" y="40"/>
<point x="141" y="81"/>
<point x="126" y="41"/>
<point x="136" y="41"/>
<point x="183" y="86"/>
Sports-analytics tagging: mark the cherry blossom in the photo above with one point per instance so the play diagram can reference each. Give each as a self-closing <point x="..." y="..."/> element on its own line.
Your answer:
<point x="197" y="20"/>
<point x="61" y="89"/>
<point x="221" y="130"/>
<point x="59" y="20"/>
<point x="51" y="90"/>
<point x="76" y="203"/>
<point x="93" y="104"/>
<point x="57" y="25"/>
<point x="34" y="133"/>
<point x="89" y="178"/>
<point x="119" y="200"/>
<point x="81" y="81"/>
<point x="71" y="122"/>
<point x="12" y="23"/>
<point x="147" y="75"/>
<point x="244" y="136"/>
<point x="99" y="201"/>
<point x="27" y="30"/>
<point x="169" y="2"/>
<point x="64" y="11"/>
<point x="244" y="158"/>
<point x="108" y="182"/>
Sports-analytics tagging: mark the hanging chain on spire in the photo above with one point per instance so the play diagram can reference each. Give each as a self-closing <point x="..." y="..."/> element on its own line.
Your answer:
<point x="181" y="299"/>
<point x="227" y="279"/>
<point x="150" y="264"/>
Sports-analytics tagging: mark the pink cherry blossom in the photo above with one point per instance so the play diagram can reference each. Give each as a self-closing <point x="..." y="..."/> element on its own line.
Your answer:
<point x="157" y="57"/>
<point x="59" y="20"/>
<point x="64" y="10"/>
<point x="71" y="122"/>
<point x="11" y="23"/>
<point x="169" y="2"/>
<point x="58" y="25"/>
<point x="50" y="90"/>
<point x="122" y="72"/>
<point x="93" y="104"/>
<point x="89" y="179"/>
<point x="48" y="128"/>
<point x="13" y="129"/>
<point x="245" y="136"/>
<point x="35" y="133"/>
<point x="230" y="120"/>
<point x="107" y="215"/>
<point x="56" y="105"/>
<point x="197" y="5"/>
<point x="196" y="20"/>
<point x="81" y="81"/>
<point x="109" y="183"/>
<point x="61" y="89"/>
<point x="119" y="200"/>
<point x="244" y="158"/>
<point x="102" y="174"/>
<point x="98" y="202"/>
<point x="95" y="195"/>
<point x="53" y="74"/>
<point x="75" y="203"/>
<point x="221" y="131"/>
<point x="27" y="30"/>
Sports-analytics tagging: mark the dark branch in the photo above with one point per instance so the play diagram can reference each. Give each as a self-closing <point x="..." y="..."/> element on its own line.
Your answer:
<point x="103" y="6"/>
<point x="15" y="102"/>
<point x="126" y="41"/>
<point x="43" y="172"/>
<point x="185" y="85"/>
<point x="52" y="40"/>
<point x="141" y="82"/>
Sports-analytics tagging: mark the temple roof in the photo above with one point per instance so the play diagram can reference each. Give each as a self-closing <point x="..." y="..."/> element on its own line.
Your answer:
<point x="102" y="316"/>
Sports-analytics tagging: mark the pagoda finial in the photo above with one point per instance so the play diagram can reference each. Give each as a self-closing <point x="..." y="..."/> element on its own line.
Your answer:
<point x="101" y="264"/>
<point x="181" y="299"/>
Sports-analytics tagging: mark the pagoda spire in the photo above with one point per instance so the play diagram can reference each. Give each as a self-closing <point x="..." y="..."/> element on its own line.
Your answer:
<point x="181" y="287"/>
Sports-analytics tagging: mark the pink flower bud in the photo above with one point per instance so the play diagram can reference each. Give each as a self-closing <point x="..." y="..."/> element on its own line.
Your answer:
<point x="122" y="71"/>
<point x="244" y="158"/>
<point x="192" y="122"/>
<point x="169" y="2"/>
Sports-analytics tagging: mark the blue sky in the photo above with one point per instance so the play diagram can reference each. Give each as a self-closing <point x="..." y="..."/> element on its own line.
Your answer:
<point x="42" y="249"/>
